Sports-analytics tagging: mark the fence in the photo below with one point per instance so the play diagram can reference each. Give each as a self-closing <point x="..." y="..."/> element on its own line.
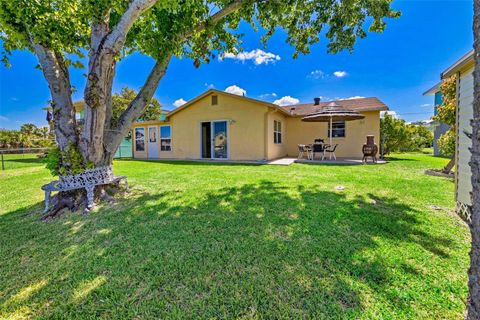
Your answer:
<point x="32" y="157"/>
<point x="123" y="152"/>
<point x="21" y="158"/>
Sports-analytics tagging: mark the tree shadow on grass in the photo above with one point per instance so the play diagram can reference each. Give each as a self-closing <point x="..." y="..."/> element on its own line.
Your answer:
<point x="258" y="250"/>
<point x="399" y="158"/>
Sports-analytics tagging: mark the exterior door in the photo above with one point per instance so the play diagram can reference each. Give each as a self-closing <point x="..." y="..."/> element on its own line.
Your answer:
<point x="153" y="142"/>
<point x="219" y="140"/>
<point x="206" y="142"/>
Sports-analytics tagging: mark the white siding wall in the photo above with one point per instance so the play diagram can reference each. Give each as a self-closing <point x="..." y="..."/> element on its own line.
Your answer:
<point x="465" y="113"/>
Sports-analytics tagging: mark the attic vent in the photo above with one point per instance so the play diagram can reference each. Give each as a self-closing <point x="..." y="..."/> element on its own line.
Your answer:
<point x="214" y="100"/>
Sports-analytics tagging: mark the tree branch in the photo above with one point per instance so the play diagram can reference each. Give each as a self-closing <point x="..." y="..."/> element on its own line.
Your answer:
<point x="136" y="107"/>
<point x="56" y="73"/>
<point x="215" y="18"/>
<point x="116" y="39"/>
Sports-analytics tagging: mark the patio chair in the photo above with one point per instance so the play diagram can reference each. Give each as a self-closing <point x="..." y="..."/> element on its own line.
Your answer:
<point x="303" y="151"/>
<point x="330" y="149"/>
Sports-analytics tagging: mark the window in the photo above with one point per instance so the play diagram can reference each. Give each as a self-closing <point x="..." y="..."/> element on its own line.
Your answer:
<point x="214" y="100"/>
<point x="140" y="139"/>
<point x="152" y="134"/>
<point x="165" y="138"/>
<point x="277" y="132"/>
<point x="338" y="129"/>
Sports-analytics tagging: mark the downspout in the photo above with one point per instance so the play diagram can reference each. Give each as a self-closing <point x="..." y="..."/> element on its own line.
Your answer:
<point x="266" y="133"/>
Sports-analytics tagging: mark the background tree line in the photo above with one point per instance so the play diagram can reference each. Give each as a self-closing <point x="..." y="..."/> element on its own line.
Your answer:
<point x="399" y="136"/>
<point x="29" y="136"/>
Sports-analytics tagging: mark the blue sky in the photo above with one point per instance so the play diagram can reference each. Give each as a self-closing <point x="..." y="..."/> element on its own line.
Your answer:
<point x="396" y="66"/>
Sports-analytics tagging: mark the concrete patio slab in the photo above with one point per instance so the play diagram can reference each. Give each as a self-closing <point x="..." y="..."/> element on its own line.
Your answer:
<point x="348" y="161"/>
<point x="282" y="161"/>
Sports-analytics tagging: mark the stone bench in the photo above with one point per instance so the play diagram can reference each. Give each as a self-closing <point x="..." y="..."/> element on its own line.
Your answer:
<point x="86" y="180"/>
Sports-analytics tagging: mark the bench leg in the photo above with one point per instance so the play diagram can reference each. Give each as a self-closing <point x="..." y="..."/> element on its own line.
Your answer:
<point x="90" y="195"/>
<point x="47" y="201"/>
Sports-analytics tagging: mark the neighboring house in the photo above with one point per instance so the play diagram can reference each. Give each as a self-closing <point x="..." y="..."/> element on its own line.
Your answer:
<point x="439" y="128"/>
<point x="220" y="125"/>
<point x="463" y="68"/>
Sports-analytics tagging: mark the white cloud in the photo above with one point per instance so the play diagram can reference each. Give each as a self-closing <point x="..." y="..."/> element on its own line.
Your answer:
<point x="209" y="85"/>
<point x="426" y="105"/>
<point x="286" y="101"/>
<point x="317" y="74"/>
<point x="340" y="74"/>
<point x="354" y="97"/>
<point x="2" y="118"/>
<point x="179" y="102"/>
<point x="390" y="112"/>
<point x="268" y="95"/>
<point x="258" y="56"/>
<point x="14" y="98"/>
<point x="236" y="90"/>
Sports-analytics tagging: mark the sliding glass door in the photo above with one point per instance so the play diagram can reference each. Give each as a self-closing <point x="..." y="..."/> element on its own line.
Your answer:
<point x="214" y="140"/>
<point x="220" y="140"/>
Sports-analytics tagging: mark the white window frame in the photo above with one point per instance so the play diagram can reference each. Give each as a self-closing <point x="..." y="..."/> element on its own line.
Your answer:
<point x="142" y="139"/>
<point x="161" y="138"/>
<point x="277" y="133"/>
<point x="333" y="129"/>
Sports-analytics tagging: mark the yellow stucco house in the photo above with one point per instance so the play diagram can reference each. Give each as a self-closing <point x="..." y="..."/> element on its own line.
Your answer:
<point x="224" y="126"/>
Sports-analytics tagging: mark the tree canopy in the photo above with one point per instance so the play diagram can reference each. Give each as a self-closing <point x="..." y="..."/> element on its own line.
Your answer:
<point x="185" y="27"/>
<point x="120" y="102"/>
<point x="29" y="136"/>
<point x="446" y="113"/>
<point x="398" y="136"/>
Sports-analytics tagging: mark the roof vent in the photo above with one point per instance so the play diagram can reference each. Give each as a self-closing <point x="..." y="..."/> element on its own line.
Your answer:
<point x="316" y="101"/>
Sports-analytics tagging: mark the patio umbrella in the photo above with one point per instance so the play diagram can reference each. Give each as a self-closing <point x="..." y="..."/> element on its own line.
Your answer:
<point x="333" y="112"/>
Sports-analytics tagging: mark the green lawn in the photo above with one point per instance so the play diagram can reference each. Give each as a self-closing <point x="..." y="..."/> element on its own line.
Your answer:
<point x="16" y="161"/>
<point x="240" y="241"/>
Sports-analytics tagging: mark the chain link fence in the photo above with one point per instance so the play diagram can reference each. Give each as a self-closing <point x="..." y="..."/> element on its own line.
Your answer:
<point x="22" y="158"/>
<point x="33" y="157"/>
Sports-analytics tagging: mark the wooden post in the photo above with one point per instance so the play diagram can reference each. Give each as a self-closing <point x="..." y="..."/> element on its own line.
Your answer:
<point x="3" y="165"/>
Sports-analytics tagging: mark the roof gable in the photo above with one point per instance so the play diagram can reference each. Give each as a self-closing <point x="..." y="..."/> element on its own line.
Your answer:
<point x="215" y="91"/>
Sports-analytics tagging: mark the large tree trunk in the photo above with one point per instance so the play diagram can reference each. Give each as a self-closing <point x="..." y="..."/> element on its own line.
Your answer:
<point x="56" y="73"/>
<point x="99" y="140"/>
<point x="473" y="311"/>
<point x="97" y="95"/>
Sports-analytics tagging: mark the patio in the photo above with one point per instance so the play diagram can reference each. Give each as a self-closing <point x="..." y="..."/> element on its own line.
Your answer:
<point x="345" y="161"/>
